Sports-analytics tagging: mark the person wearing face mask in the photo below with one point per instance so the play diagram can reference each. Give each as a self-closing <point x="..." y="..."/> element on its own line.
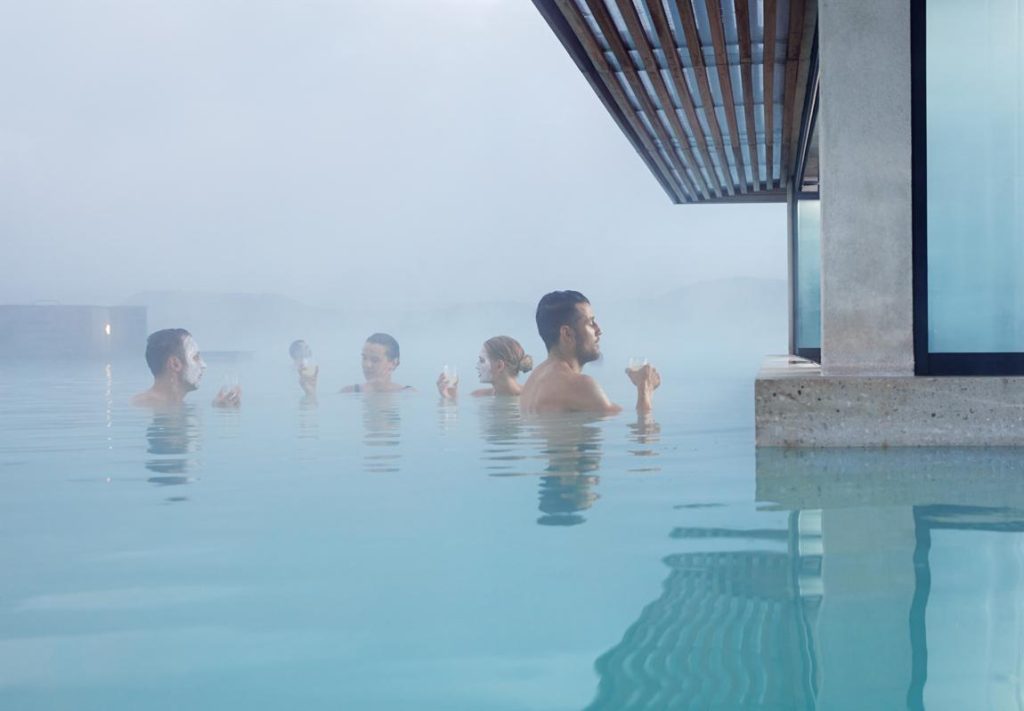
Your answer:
<point x="501" y="361"/>
<point x="566" y="323"/>
<point x="177" y="366"/>
<point x="379" y="359"/>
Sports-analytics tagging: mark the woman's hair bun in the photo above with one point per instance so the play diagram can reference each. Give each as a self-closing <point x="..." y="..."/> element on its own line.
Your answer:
<point x="525" y="364"/>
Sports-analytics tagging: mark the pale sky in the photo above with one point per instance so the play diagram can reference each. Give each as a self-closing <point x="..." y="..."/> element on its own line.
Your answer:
<point x="404" y="151"/>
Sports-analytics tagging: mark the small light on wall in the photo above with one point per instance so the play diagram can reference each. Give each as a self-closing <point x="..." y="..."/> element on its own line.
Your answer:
<point x="106" y="329"/>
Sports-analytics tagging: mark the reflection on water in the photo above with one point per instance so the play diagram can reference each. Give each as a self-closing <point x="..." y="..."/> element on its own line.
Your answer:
<point x="724" y="634"/>
<point x="850" y="580"/>
<point x="173" y="441"/>
<point x="880" y="598"/>
<point x="645" y="433"/>
<point x="572" y="446"/>
<point x="382" y="432"/>
<point x="501" y="428"/>
<point x="309" y="418"/>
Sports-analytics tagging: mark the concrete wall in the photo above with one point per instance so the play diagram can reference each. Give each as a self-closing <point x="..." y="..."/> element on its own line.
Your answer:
<point x="798" y="406"/>
<point x="867" y="299"/>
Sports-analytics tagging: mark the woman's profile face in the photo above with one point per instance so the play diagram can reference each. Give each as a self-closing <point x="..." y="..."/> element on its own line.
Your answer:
<point x="484" y="367"/>
<point x="376" y="364"/>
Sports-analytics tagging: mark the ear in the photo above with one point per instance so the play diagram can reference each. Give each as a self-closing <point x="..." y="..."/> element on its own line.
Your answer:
<point x="499" y="366"/>
<point x="174" y="364"/>
<point x="566" y="331"/>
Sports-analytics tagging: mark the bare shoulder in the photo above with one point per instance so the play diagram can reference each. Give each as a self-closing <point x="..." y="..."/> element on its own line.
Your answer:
<point x="483" y="392"/>
<point x="587" y="395"/>
<point x="145" y="399"/>
<point x="581" y="384"/>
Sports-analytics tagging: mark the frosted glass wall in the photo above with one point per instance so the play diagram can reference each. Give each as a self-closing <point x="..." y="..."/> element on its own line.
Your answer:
<point x="808" y="274"/>
<point x="975" y="87"/>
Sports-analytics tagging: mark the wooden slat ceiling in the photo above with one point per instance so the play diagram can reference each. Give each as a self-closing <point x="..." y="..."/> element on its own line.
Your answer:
<point x="687" y="81"/>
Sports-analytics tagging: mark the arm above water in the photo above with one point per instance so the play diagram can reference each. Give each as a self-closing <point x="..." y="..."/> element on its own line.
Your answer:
<point x="308" y="378"/>
<point x="228" y="398"/>
<point x="447" y="387"/>
<point x="646" y="379"/>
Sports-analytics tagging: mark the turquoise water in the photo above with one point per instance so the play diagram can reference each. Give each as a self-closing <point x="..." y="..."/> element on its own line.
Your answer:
<point x="395" y="553"/>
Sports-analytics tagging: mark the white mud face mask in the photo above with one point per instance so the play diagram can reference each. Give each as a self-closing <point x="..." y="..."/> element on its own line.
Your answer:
<point x="194" y="364"/>
<point x="484" y="369"/>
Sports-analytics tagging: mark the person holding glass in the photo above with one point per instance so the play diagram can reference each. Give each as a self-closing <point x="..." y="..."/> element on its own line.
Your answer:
<point x="498" y="366"/>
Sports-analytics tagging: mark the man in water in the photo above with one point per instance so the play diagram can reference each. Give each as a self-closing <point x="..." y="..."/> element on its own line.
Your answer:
<point x="173" y="358"/>
<point x="567" y="325"/>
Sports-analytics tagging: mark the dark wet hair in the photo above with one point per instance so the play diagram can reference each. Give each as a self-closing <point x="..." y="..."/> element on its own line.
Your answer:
<point x="389" y="343"/>
<point x="161" y="345"/>
<point x="508" y="349"/>
<point x="297" y="349"/>
<point x="555" y="310"/>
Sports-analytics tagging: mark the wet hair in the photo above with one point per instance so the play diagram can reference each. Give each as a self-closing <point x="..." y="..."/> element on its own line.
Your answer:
<point x="161" y="345"/>
<point x="389" y="343"/>
<point x="555" y="310"/>
<point x="508" y="350"/>
<point x="297" y="349"/>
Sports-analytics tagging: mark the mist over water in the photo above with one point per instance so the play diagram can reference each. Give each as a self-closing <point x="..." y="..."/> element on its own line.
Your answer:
<point x="211" y="147"/>
<point x="258" y="173"/>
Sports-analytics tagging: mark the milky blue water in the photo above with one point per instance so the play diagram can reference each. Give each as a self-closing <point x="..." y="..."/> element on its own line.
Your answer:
<point x="396" y="553"/>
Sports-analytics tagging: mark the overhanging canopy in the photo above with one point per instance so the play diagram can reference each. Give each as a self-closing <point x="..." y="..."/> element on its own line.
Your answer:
<point x="689" y="84"/>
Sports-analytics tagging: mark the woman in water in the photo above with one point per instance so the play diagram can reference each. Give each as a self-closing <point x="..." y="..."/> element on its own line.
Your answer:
<point x="380" y="358"/>
<point x="501" y="361"/>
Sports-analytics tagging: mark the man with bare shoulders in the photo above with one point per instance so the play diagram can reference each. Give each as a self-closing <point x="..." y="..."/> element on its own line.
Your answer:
<point x="567" y="325"/>
<point x="173" y="357"/>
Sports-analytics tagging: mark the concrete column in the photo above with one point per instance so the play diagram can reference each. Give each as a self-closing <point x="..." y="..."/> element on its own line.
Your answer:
<point x="866" y="287"/>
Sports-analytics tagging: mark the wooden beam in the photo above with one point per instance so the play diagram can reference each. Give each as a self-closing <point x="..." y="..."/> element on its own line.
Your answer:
<point x="692" y="38"/>
<point x="768" y="50"/>
<point x="793" y="44"/>
<point x="747" y="75"/>
<point x="675" y="70"/>
<point x="725" y="84"/>
<point x="611" y="35"/>
<point x="579" y="27"/>
<point x="640" y="41"/>
<point x="805" y="84"/>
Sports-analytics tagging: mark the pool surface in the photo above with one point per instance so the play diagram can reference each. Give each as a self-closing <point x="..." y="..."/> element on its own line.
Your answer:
<point x="396" y="553"/>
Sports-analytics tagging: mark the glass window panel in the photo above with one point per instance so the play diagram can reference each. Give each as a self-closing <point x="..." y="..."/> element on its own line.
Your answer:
<point x="808" y="274"/>
<point x="975" y="200"/>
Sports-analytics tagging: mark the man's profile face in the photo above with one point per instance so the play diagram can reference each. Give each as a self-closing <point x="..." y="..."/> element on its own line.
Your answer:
<point x="588" y="334"/>
<point x="193" y="365"/>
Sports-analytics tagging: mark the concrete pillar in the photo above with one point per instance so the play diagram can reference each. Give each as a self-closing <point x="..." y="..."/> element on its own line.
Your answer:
<point x="866" y="287"/>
